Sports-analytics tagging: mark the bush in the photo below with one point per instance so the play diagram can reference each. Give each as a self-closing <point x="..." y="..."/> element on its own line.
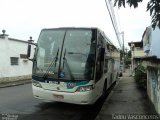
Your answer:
<point x="141" y="76"/>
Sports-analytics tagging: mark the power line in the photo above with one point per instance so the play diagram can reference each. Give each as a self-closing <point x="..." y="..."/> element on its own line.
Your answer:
<point x="114" y="18"/>
<point x="113" y="22"/>
<point x="113" y="15"/>
<point x="118" y="19"/>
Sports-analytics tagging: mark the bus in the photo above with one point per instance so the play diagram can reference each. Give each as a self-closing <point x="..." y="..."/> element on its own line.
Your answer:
<point x="73" y="65"/>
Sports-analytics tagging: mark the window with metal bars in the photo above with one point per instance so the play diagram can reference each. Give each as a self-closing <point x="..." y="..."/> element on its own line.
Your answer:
<point x="14" y="60"/>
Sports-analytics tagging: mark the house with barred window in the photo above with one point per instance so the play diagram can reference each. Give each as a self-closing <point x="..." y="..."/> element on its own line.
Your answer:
<point x="14" y="65"/>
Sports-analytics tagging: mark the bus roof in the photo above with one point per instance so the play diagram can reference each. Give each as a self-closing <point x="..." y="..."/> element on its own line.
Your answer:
<point x="71" y="28"/>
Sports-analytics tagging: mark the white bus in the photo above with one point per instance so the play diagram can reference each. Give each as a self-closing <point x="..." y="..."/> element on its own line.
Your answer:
<point x="73" y="65"/>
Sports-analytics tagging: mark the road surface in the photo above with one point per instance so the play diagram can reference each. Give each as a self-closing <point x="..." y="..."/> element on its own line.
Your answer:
<point x="17" y="102"/>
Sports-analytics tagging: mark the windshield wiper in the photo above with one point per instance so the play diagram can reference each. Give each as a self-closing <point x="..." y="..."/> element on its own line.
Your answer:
<point x="67" y="66"/>
<point x="64" y="58"/>
<point x="54" y="62"/>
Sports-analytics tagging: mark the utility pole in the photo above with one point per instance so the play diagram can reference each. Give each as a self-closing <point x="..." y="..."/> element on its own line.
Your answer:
<point x="123" y="52"/>
<point x="126" y="53"/>
<point x="132" y="51"/>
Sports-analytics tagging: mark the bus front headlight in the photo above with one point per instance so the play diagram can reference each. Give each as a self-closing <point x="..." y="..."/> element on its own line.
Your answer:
<point x="85" y="88"/>
<point x="36" y="83"/>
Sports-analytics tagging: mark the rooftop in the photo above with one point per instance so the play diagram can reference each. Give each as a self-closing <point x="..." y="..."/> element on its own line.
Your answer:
<point x="136" y="44"/>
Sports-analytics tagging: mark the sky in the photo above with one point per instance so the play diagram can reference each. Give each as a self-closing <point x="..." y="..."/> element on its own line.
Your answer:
<point x="24" y="18"/>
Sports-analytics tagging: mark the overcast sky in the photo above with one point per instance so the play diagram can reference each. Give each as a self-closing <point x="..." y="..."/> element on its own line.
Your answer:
<point x="24" y="18"/>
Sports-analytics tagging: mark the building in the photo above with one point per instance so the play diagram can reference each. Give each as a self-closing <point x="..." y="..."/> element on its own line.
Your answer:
<point x="147" y="52"/>
<point x="13" y="63"/>
<point x="151" y="42"/>
<point x="136" y="53"/>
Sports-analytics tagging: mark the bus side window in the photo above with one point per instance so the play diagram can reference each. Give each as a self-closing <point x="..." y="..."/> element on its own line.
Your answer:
<point x="100" y="61"/>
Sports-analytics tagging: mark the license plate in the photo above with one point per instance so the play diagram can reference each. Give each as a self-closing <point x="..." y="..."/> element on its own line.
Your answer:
<point x="53" y="82"/>
<point x="59" y="96"/>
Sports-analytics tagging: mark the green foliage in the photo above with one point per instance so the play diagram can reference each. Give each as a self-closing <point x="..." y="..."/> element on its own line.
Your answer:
<point x="121" y="54"/>
<point x="130" y="3"/>
<point x="141" y="76"/>
<point x="129" y="54"/>
<point x="120" y="3"/>
<point x="153" y="6"/>
<point x="127" y="62"/>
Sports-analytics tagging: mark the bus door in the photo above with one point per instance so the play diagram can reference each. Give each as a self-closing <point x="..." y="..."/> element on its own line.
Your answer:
<point x="99" y="73"/>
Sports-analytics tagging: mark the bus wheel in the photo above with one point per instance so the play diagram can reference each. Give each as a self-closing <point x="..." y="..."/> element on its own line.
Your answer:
<point x="104" y="88"/>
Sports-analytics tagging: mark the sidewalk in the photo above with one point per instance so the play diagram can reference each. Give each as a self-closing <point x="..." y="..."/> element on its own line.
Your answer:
<point x="126" y="99"/>
<point x="15" y="83"/>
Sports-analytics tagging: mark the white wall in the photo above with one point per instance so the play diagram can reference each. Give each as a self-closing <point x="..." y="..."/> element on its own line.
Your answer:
<point x="155" y="42"/>
<point x="153" y="84"/>
<point x="4" y="61"/>
<point x="151" y="42"/>
<point x="12" y="48"/>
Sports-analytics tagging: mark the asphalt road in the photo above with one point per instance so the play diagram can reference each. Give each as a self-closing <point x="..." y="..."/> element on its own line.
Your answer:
<point x="18" y="103"/>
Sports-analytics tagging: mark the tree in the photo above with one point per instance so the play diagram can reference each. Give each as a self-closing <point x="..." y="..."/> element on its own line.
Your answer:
<point x="129" y="54"/>
<point x="153" y="6"/>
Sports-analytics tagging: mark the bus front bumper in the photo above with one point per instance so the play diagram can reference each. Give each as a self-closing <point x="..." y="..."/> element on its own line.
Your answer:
<point x="83" y="98"/>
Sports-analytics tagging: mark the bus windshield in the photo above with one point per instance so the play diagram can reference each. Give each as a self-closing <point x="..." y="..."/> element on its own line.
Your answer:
<point x="65" y="54"/>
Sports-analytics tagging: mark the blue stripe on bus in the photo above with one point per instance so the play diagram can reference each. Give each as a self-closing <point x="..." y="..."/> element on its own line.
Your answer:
<point x="71" y="85"/>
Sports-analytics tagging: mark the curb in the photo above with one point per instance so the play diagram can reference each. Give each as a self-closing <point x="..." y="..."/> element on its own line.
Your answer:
<point x="16" y="83"/>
